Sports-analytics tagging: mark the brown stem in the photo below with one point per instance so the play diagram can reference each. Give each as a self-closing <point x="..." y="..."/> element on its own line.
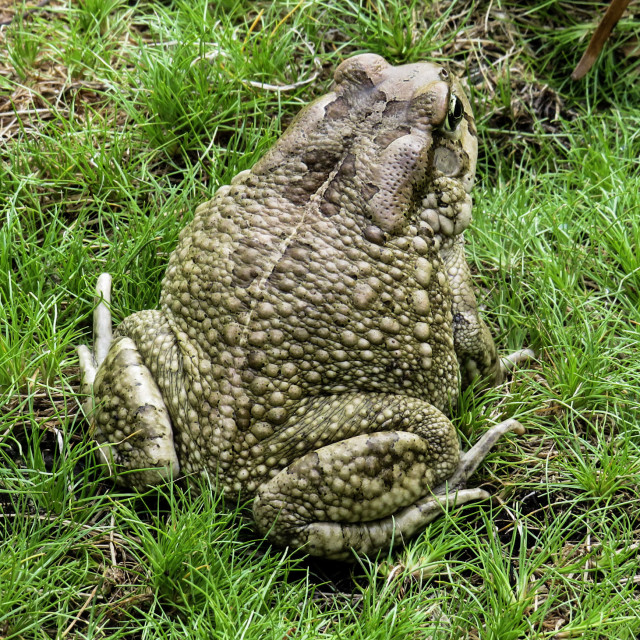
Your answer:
<point x="609" y="20"/>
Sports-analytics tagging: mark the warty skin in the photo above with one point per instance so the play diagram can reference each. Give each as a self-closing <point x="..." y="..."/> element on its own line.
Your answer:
<point x="315" y="321"/>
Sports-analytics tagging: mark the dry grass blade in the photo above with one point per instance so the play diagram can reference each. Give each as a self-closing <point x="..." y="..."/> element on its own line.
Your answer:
<point x="602" y="32"/>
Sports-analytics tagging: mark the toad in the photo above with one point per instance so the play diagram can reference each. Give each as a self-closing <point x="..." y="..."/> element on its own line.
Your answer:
<point x="316" y="322"/>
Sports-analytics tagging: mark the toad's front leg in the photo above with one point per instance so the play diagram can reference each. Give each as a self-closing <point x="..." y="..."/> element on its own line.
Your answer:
<point x="129" y="417"/>
<point x="475" y="349"/>
<point x="369" y="491"/>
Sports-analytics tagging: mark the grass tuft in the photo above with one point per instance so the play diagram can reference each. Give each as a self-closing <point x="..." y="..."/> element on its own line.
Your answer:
<point x="118" y="118"/>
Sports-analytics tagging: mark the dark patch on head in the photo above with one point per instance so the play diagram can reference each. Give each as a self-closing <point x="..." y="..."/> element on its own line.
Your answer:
<point x="337" y="109"/>
<point x="331" y="200"/>
<point x="358" y="78"/>
<point x="320" y="160"/>
<point x="348" y="167"/>
<point x="395" y="107"/>
<point x="331" y="203"/>
<point x="368" y="190"/>
<point x="386" y="138"/>
<point x="320" y="164"/>
<point x="300" y="191"/>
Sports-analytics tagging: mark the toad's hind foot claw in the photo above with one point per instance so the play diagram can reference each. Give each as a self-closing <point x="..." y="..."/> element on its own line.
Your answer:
<point x="102" y="337"/>
<point x="511" y="361"/>
<point x="102" y="327"/>
<point x="470" y="460"/>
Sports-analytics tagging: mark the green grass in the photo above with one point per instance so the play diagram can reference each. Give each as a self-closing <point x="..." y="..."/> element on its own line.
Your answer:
<point x="118" y="118"/>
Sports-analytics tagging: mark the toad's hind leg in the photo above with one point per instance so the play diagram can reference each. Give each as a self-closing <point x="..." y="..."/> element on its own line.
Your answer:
<point x="367" y="491"/>
<point x="129" y="417"/>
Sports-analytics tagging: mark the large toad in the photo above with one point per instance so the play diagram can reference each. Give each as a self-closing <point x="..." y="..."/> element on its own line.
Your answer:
<point x="315" y="321"/>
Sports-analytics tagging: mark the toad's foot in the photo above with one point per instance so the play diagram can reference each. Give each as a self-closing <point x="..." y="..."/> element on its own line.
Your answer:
<point x="130" y="419"/>
<point x="103" y="337"/>
<point x="470" y="460"/>
<point x="515" y="359"/>
<point x="370" y="491"/>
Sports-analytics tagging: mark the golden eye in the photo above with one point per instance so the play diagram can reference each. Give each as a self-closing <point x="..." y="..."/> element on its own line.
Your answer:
<point x="454" y="114"/>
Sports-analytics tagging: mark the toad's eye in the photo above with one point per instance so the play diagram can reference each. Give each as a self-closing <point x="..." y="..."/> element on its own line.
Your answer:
<point x="454" y="114"/>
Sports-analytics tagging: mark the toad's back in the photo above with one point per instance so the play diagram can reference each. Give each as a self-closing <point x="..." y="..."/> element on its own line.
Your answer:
<point x="315" y="318"/>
